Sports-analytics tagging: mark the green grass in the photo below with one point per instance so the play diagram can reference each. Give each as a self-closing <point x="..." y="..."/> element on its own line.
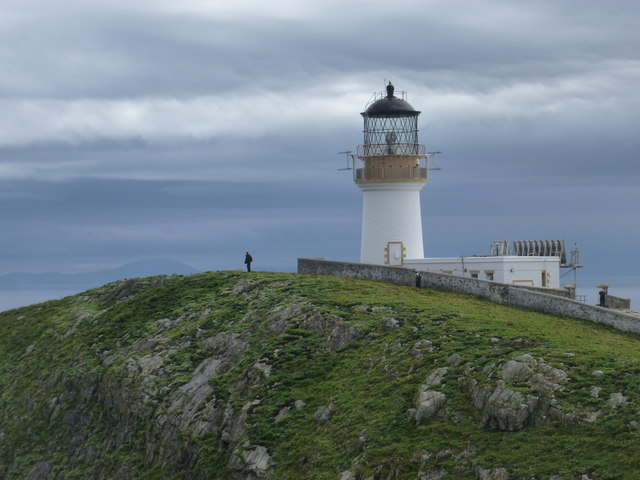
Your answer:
<point x="81" y="351"/>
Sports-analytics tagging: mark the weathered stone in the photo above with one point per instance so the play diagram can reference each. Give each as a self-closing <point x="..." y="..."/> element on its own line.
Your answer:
<point x="492" y="473"/>
<point x="433" y="475"/>
<point x="282" y="414"/>
<point x="249" y="463"/>
<point x="323" y="414"/>
<point x="299" y="404"/>
<point x="390" y="323"/>
<point x="454" y="359"/>
<point x="348" y="475"/>
<point x="380" y="308"/>
<point x="595" y="392"/>
<point x="421" y="346"/>
<point x="40" y="471"/>
<point x="342" y="335"/>
<point x="515" y="370"/>
<point x="507" y="410"/>
<point x="525" y="358"/>
<point x="233" y="425"/>
<point x="436" y="377"/>
<point x="264" y="367"/>
<point x="429" y="402"/>
<point x="616" y="399"/>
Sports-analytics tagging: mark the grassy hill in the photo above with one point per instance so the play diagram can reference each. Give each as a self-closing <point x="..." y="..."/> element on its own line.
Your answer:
<point x="229" y="375"/>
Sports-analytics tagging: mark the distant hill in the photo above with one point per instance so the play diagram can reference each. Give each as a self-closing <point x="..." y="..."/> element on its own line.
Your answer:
<point x="84" y="281"/>
<point x="247" y="376"/>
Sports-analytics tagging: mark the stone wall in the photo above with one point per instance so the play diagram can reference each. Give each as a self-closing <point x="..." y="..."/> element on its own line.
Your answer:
<point x="558" y="292"/>
<point x="619" y="303"/>
<point x="363" y="271"/>
<point x="497" y="292"/>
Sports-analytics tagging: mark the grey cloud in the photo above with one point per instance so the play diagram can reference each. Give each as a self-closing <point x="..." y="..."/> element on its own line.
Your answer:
<point x="111" y="110"/>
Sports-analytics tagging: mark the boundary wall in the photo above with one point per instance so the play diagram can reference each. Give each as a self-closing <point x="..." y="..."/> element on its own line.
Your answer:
<point x="515" y="296"/>
<point x="618" y="302"/>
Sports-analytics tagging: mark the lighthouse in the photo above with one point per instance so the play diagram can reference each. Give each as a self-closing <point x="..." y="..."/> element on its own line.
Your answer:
<point x="393" y="173"/>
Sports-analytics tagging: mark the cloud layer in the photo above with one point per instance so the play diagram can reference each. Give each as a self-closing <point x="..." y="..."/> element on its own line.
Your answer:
<point x="193" y="129"/>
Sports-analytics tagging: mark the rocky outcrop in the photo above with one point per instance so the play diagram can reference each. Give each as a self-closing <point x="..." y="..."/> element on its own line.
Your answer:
<point x="498" y="473"/>
<point x="429" y="402"/>
<point x="337" y="333"/>
<point x="249" y="463"/>
<point x="507" y="409"/>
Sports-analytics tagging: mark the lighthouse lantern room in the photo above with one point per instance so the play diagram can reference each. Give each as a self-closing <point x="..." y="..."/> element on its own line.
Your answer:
<point x="393" y="173"/>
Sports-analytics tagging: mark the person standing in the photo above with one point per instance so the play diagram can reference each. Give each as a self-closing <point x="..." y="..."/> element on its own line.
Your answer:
<point x="247" y="260"/>
<point x="603" y="298"/>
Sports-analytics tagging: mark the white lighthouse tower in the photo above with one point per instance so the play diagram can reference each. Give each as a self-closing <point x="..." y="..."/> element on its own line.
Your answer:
<point x="391" y="178"/>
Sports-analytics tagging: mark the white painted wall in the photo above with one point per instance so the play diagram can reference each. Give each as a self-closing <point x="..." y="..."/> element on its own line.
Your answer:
<point x="390" y="213"/>
<point x="506" y="269"/>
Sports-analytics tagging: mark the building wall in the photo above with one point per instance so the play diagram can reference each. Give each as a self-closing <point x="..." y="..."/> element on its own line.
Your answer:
<point x="525" y="271"/>
<point x="391" y="213"/>
<point x="516" y="296"/>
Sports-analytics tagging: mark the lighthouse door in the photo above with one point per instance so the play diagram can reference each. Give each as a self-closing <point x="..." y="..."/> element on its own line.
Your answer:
<point x="394" y="253"/>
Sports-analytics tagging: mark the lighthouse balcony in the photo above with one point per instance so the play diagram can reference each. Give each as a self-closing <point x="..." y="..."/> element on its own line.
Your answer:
<point x="391" y="173"/>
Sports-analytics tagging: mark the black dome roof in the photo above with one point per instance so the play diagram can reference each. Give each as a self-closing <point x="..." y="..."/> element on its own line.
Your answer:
<point x="390" y="106"/>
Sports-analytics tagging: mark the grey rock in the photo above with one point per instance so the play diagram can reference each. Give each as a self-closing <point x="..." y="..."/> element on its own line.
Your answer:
<point x="390" y="323"/>
<point x="230" y="345"/>
<point x="348" y="475"/>
<point x="282" y="414"/>
<point x="591" y="417"/>
<point x="553" y="374"/>
<point x="505" y="409"/>
<point x="323" y="414"/>
<point x="243" y="288"/>
<point x="616" y="399"/>
<point x="515" y="370"/>
<point x="380" y="309"/>
<point x="428" y="404"/>
<point x="436" y="377"/>
<point x="595" y="392"/>
<point x="342" y="335"/>
<point x="597" y="373"/>
<point x="491" y="473"/>
<point x="264" y="367"/>
<point x="234" y="423"/>
<point x="257" y="460"/>
<point x="526" y="358"/>
<point x="543" y="385"/>
<point x="40" y="471"/>
<point x="299" y="404"/>
<point x="320" y="323"/>
<point x="454" y="359"/>
<point x="421" y="346"/>
<point x="433" y="475"/>
<point x="249" y="463"/>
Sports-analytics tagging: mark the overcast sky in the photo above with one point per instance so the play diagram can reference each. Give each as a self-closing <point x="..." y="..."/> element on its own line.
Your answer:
<point x="197" y="130"/>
